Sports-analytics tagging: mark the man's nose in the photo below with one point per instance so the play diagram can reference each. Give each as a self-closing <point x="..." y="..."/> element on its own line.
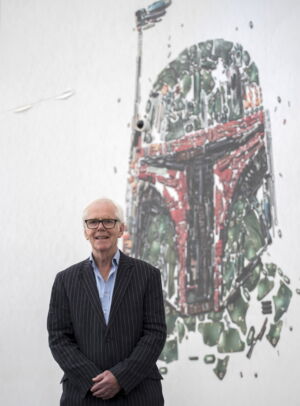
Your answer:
<point x="101" y="227"/>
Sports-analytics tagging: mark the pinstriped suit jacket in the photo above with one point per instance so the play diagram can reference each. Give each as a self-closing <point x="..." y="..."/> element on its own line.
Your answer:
<point x="84" y="346"/>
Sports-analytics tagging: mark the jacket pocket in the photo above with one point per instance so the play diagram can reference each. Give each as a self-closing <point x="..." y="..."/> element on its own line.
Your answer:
<point x="64" y="379"/>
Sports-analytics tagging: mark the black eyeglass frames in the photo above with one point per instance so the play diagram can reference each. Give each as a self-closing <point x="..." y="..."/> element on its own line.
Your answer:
<point x="106" y="223"/>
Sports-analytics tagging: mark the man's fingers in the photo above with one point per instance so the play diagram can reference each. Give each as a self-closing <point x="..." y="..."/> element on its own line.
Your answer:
<point x="98" y="378"/>
<point x="103" y="394"/>
<point x="98" y="386"/>
<point x="106" y="386"/>
<point x="99" y="393"/>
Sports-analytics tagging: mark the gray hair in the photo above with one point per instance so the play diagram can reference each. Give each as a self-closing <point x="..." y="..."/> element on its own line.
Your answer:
<point x="118" y="209"/>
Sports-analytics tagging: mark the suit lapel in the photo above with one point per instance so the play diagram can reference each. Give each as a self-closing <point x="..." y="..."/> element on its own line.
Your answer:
<point x="124" y="275"/>
<point x="89" y="284"/>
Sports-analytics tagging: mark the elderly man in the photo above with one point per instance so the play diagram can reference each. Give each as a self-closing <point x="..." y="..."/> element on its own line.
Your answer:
<point x="106" y="320"/>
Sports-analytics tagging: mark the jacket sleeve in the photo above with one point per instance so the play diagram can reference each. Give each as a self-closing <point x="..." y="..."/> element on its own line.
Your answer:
<point x="78" y="368"/>
<point x="142" y="360"/>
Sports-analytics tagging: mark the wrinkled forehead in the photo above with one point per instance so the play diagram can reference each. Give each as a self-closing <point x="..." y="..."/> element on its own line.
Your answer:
<point x="100" y="210"/>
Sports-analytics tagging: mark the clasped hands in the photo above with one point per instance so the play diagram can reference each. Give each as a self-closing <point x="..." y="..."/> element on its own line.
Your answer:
<point x="105" y="386"/>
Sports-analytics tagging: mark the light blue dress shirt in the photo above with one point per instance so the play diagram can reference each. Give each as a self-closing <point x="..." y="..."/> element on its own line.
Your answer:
<point x="106" y="287"/>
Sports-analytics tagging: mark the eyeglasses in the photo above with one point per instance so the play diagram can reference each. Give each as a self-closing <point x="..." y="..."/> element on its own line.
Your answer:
<point x="106" y="223"/>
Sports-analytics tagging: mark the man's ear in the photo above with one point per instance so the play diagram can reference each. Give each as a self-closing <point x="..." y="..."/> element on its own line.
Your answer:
<point x="122" y="228"/>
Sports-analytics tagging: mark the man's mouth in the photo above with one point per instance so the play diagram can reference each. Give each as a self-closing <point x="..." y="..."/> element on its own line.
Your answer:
<point x="102" y="237"/>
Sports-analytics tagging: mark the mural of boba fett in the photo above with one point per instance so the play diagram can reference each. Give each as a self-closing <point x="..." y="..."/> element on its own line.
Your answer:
<point x="201" y="201"/>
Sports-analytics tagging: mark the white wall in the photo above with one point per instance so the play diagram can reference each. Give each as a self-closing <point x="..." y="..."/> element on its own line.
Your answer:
<point x="60" y="154"/>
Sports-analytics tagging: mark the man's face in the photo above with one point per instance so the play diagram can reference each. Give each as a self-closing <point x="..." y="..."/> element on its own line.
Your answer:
<point x="103" y="241"/>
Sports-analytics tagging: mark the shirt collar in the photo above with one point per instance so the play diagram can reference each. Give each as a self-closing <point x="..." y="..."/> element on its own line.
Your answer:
<point x="115" y="260"/>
